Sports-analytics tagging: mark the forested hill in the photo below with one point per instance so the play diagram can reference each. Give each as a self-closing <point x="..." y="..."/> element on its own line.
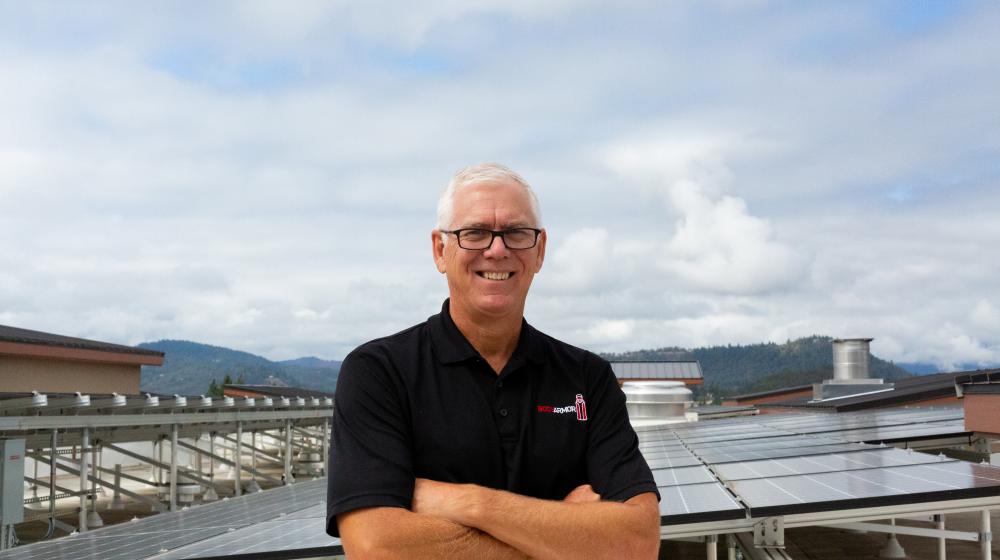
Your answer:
<point x="190" y="367"/>
<point x="736" y="369"/>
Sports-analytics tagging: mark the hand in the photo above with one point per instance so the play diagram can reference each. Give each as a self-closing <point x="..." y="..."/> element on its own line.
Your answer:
<point x="582" y="494"/>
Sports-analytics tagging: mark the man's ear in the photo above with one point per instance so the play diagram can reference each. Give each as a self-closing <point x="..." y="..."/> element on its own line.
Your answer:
<point x="437" y="246"/>
<point x="540" y="257"/>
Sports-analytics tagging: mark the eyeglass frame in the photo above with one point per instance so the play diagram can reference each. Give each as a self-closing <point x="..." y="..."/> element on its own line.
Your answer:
<point x="494" y="233"/>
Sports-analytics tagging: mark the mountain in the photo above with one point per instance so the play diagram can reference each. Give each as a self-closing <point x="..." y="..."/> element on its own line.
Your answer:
<point x="923" y="368"/>
<point x="920" y="368"/>
<point x="313" y="362"/>
<point x="189" y="368"/>
<point x="733" y="370"/>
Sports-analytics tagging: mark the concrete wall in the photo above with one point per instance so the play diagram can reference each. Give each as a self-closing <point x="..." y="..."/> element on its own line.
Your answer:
<point x="19" y="374"/>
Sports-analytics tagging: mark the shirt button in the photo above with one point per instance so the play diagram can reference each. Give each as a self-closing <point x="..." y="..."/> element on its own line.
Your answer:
<point x="499" y="384"/>
<point x="503" y="412"/>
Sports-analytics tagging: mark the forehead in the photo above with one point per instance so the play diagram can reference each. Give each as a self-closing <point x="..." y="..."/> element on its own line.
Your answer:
<point x="494" y="204"/>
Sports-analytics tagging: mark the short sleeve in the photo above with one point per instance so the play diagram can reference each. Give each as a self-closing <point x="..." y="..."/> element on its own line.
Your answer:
<point x="370" y="442"/>
<point x="615" y="466"/>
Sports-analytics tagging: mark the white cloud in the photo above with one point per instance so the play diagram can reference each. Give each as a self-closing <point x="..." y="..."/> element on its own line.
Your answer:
<point x="263" y="176"/>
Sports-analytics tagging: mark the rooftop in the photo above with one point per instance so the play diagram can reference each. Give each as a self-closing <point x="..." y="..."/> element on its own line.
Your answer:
<point x="18" y="336"/>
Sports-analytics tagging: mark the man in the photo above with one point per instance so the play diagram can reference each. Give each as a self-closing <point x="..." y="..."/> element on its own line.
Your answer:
<point x="473" y="435"/>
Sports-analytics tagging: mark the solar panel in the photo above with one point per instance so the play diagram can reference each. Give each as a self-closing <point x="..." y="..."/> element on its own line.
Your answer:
<point x="784" y="495"/>
<point x="682" y="475"/>
<point x="304" y="535"/>
<point x="166" y="531"/>
<point x="865" y="459"/>
<point x="694" y="503"/>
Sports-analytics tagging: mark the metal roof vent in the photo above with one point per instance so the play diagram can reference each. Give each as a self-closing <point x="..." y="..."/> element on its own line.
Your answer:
<point x="118" y="400"/>
<point x="851" y="357"/>
<point x="851" y="373"/>
<point x="227" y="401"/>
<point x="206" y="401"/>
<point x="180" y="401"/>
<point x="266" y="401"/>
<point x="81" y="400"/>
<point x="284" y="402"/>
<point x="38" y="399"/>
<point x="152" y="400"/>
<point x="657" y="401"/>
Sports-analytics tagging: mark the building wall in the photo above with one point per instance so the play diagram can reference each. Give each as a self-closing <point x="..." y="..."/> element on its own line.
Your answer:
<point x="981" y="413"/>
<point x="19" y="374"/>
<point x="233" y="392"/>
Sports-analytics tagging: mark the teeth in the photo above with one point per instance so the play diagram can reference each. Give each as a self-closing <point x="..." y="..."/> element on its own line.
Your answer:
<point x="496" y="275"/>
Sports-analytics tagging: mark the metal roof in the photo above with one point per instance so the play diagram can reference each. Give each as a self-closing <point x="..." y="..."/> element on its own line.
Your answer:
<point x="680" y="369"/>
<point x="279" y="391"/>
<point x="25" y="336"/>
<point x="906" y="390"/>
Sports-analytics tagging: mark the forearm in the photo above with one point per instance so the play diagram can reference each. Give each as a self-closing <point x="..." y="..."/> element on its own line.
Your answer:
<point x="390" y="533"/>
<point x="550" y="529"/>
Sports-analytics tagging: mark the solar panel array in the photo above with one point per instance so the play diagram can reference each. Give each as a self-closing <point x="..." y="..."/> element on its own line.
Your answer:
<point x="188" y="529"/>
<point x="730" y="469"/>
<point x="801" y="463"/>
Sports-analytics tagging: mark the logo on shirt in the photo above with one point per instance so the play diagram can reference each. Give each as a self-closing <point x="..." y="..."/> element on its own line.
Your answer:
<point x="579" y="408"/>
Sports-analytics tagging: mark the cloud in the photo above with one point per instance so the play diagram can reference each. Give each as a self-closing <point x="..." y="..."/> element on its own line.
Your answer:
<point x="719" y="246"/>
<point x="264" y="176"/>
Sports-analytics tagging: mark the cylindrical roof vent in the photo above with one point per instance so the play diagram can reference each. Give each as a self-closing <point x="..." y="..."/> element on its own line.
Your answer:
<point x="850" y="359"/>
<point x="656" y="400"/>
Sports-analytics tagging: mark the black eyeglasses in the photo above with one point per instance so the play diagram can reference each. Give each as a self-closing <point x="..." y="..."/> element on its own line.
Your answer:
<point x="476" y="239"/>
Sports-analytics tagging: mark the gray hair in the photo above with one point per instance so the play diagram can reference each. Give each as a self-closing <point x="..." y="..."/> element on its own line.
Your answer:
<point x="481" y="173"/>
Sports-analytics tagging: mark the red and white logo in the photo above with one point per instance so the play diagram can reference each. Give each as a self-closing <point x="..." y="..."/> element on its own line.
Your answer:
<point x="579" y="408"/>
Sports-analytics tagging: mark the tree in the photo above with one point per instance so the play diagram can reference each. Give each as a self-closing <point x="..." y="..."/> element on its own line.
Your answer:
<point x="214" y="389"/>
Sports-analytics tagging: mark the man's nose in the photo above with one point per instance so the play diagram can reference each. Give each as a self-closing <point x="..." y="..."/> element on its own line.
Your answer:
<point x="496" y="248"/>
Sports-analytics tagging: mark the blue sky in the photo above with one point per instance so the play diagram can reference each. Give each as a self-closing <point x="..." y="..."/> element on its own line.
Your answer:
<point x="263" y="175"/>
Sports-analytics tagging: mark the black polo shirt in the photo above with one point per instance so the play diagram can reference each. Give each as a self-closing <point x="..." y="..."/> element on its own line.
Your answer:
<point x="423" y="403"/>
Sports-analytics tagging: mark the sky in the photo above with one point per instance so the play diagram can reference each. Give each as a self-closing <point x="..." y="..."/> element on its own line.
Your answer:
<point x="263" y="175"/>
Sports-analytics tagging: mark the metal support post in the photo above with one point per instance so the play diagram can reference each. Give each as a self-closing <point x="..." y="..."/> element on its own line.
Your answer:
<point x="985" y="535"/>
<point x="238" y="460"/>
<point x="173" y="467"/>
<point x="84" y="444"/>
<point x="711" y="547"/>
<point x="941" y="542"/>
<point x="730" y="546"/>
<point x="326" y="447"/>
<point x="116" y="500"/>
<point x="159" y="459"/>
<point x="288" y="452"/>
<point x="209" y="494"/>
<point x="52" y="473"/>
<point x="93" y="518"/>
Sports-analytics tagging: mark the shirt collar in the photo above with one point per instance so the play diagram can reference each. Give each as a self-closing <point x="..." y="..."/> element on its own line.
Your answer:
<point x="451" y="346"/>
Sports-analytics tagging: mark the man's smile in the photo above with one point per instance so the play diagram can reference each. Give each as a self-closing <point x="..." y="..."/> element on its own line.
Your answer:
<point x="494" y="275"/>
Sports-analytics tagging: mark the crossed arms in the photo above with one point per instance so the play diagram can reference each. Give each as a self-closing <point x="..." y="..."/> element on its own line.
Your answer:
<point x="469" y="521"/>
